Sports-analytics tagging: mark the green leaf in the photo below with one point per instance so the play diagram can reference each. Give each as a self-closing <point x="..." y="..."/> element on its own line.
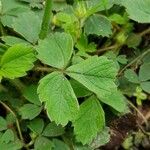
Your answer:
<point x="43" y="143"/>
<point x="28" y="25"/>
<point x="144" y="73"/>
<point x="146" y="86"/>
<point x="10" y="10"/>
<point x="116" y="100"/>
<point x="131" y="76"/>
<point x="29" y="111"/>
<point x="60" y="145"/>
<point x="30" y="93"/>
<point x="36" y="125"/>
<point x="146" y="58"/>
<point x="89" y="121"/>
<point x="3" y="124"/>
<point x="95" y="73"/>
<point x="98" y="75"/>
<point x="17" y="145"/>
<point x="117" y="19"/>
<point x="61" y="102"/>
<point x="53" y="129"/>
<point x="16" y="61"/>
<point x="56" y="50"/>
<point x="7" y="137"/>
<point x="102" y="138"/>
<point x="133" y="40"/>
<point x="12" y="40"/>
<point x="138" y="10"/>
<point x="122" y="59"/>
<point x="83" y="45"/>
<point x="98" y="5"/>
<point x="14" y="145"/>
<point x="99" y="25"/>
<point x="79" y="89"/>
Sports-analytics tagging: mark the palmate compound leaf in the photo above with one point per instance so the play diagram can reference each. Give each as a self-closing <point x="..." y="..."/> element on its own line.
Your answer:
<point x="98" y="75"/>
<point x="55" y="50"/>
<point x="60" y="100"/>
<point x="16" y="61"/>
<point x="89" y="121"/>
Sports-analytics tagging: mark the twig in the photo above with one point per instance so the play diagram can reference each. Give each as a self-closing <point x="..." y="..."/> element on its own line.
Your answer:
<point x="17" y="121"/>
<point x="147" y="31"/>
<point x="105" y="49"/>
<point x="44" y="69"/>
<point x="133" y="61"/>
<point x="46" y="19"/>
<point x="142" y="116"/>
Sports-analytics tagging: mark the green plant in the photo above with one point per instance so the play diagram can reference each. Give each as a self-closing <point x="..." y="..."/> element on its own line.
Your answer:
<point x="56" y="82"/>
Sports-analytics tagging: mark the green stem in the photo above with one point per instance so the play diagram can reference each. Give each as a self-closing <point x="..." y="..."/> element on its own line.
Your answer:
<point x="44" y="69"/>
<point x="46" y="19"/>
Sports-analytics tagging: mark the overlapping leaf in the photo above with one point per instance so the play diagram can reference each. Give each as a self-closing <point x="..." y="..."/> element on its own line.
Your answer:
<point x="61" y="102"/>
<point x="98" y="25"/>
<point x="56" y="50"/>
<point x="90" y="120"/>
<point x="28" y="25"/>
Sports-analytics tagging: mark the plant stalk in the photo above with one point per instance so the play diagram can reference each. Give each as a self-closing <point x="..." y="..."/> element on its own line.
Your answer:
<point x="46" y="19"/>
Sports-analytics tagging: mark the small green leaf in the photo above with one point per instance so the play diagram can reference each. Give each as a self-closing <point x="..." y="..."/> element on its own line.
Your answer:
<point x="36" y="125"/>
<point x="43" y="143"/>
<point x="30" y="93"/>
<point x="116" y="100"/>
<point x="98" y="25"/>
<point x="89" y="121"/>
<point x="29" y="111"/>
<point x="16" y="61"/>
<point x="12" y="40"/>
<point x="83" y="45"/>
<point x="79" y="89"/>
<point x="144" y="73"/>
<point x="61" y="102"/>
<point x="7" y="137"/>
<point x="28" y="25"/>
<point x="17" y="145"/>
<point x="138" y="10"/>
<point x="146" y="86"/>
<point x="131" y="76"/>
<point x="133" y="40"/>
<point x="102" y="138"/>
<point x="3" y="124"/>
<point x="53" y="129"/>
<point x="122" y="59"/>
<point x="98" y="5"/>
<point x="60" y="145"/>
<point x="56" y="50"/>
<point x="117" y="19"/>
